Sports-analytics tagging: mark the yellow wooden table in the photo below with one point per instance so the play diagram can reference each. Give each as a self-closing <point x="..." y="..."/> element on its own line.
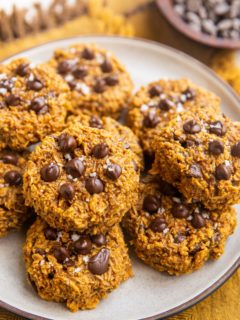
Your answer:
<point x="148" y="23"/>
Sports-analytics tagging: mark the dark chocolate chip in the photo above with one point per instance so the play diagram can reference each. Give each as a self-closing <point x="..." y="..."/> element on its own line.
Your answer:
<point x="13" y="178"/>
<point x="35" y="85"/>
<point x="88" y="54"/>
<point x="50" y="172"/>
<point x="189" y="94"/>
<point x="167" y="189"/>
<point x="80" y="72"/>
<point x="113" y="171"/>
<point x="191" y="127"/>
<point x="10" y="158"/>
<point x="158" y="225"/>
<point x="235" y="150"/>
<point x="98" y="264"/>
<point x="151" y="203"/>
<point x="112" y="80"/>
<point x="180" y="211"/>
<point x="151" y="120"/>
<point x="67" y="191"/>
<point x="198" y="221"/>
<point x="218" y="128"/>
<point x="65" y="66"/>
<point x="60" y="253"/>
<point x="75" y="168"/>
<point x="155" y="91"/>
<point x="106" y="66"/>
<point x="22" y="70"/>
<point x="2" y="104"/>
<point x="100" y="150"/>
<point x="50" y="234"/>
<point x="216" y="147"/>
<point x="39" y="105"/>
<point x="100" y="86"/>
<point x="67" y="143"/>
<point x="94" y="185"/>
<point x="13" y="100"/>
<point x="223" y="172"/>
<point x="68" y="264"/>
<point x="99" y="239"/>
<point x="40" y="251"/>
<point x="195" y="171"/>
<point x="83" y="245"/>
<point x="95" y="122"/>
<point x="165" y="105"/>
<point x="6" y="84"/>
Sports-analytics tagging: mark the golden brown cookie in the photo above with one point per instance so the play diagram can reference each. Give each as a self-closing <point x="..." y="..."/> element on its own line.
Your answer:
<point x="13" y="212"/>
<point x="98" y="81"/>
<point x="199" y="153"/>
<point x="33" y="103"/>
<point x="73" y="268"/>
<point x="81" y="179"/>
<point x="172" y="235"/>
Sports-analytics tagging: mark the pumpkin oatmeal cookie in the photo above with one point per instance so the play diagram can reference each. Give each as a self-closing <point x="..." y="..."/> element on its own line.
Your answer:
<point x="98" y="81"/>
<point x="121" y="132"/>
<point x="174" y="236"/>
<point x="154" y="105"/>
<point x="33" y="103"/>
<point x="81" y="179"/>
<point x="13" y="212"/>
<point x="199" y="154"/>
<point x="73" y="268"/>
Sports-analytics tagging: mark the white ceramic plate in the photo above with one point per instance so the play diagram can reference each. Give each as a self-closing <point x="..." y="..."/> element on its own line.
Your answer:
<point x="150" y="294"/>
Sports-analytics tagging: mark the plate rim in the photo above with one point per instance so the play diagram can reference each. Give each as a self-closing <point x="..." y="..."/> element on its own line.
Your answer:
<point x="219" y="282"/>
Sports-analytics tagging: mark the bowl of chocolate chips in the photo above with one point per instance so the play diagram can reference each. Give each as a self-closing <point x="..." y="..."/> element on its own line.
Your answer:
<point x="214" y="23"/>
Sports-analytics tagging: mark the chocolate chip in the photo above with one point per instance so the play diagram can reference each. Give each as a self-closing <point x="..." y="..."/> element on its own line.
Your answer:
<point x="106" y="66"/>
<point x="180" y="211"/>
<point x="191" y="127"/>
<point x="13" y="100"/>
<point x="100" y="86"/>
<point x="22" y="70"/>
<point x="151" y="203"/>
<point x="10" y="158"/>
<point x="179" y="238"/>
<point x="6" y="84"/>
<point x="40" y="251"/>
<point x="198" y="221"/>
<point x="50" y="234"/>
<point x="2" y="104"/>
<point x="195" y="171"/>
<point x="167" y="189"/>
<point x="50" y="172"/>
<point x="235" y="150"/>
<point x="158" y="225"/>
<point x="35" y="85"/>
<point x="113" y="171"/>
<point x="80" y="72"/>
<point x="223" y="172"/>
<point x="75" y="167"/>
<point x="95" y="122"/>
<point x="189" y="94"/>
<point x="149" y="157"/>
<point x="65" y="66"/>
<point x="13" y="178"/>
<point x="155" y="91"/>
<point x="151" y="120"/>
<point x="67" y="143"/>
<point x="216" y="147"/>
<point x="67" y="191"/>
<point x="39" y="105"/>
<point x="165" y="105"/>
<point x="83" y="245"/>
<point x="98" y="264"/>
<point x="60" y="253"/>
<point x="100" y="150"/>
<point x="190" y="143"/>
<point x="217" y="128"/>
<point x="88" y="54"/>
<point x="94" y="185"/>
<point x="112" y="80"/>
<point x="99" y="239"/>
<point x="68" y="264"/>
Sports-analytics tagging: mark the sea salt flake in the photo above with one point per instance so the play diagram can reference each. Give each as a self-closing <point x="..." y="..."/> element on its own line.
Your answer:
<point x="205" y="215"/>
<point x="69" y="77"/>
<point x="41" y="263"/>
<point x="189" y="218"/>
<point x="144" y="107"/>
<point x="59" y="236"/>
<point x="175" y="199"/>
<point x="75" y="236"/>
<point x="31" y="77"/>
<point x="77" y="270"/>
<point x="67" y="157"/>
<point x="3" y="91"/>
<point x="161" y="210"/>
<point x="99" y="58"/>
<point x="165" y="231"/>
<point x="85" y="259"/>
<point x="83" y="88"/>
<point x="3" y="76"/>
<point x="179" y="107"/>
<point x="93" y="174"/>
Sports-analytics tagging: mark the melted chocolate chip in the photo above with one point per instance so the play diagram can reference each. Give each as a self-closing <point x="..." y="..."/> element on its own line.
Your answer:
<point x="106" y="66"/>
<point x="80" y="72"/>
<point x="216" y="147"/>
<point x="39" y="105"/>
<point x="65" y="66"/>
<point x="13" y="178"/>
<point x="235" y="150"/>
<point x="67" y="191"/>
<point x="50" y="172"/>
<point x="158" y="225"/>
<point x="180" y="211"/>
<point x="100" y="150"/>
<point x="60" y="253"/>
<point x="94" y="185"/>
<point x="112" y="80"/>
<point x="198" y="221"/>
<point x="22" y="70"/>
<point x="10" y="158"/>
<point x="189" y="94"/>
<point x="98" y="264"/>
<point x="83" y="245"/>
<point x="223" y="172"/>
<point x="151" y="120"/>
<point x="99" y="239"/>
<point x="113" y="171"/>
<point x="75" y="168"/>
<point x="50" y="234"/>
<point x="155" y="91"/>
<point x="218" y="128"/>
<point x="191" y="127"/>
<point x="95" y="122"/>
<point x="165" y="105"/>
<point x="167" y="189"/>
<point x="67" y="143"/>
<point x="150" y="204"/>
<point x="13" y="100"/>
<point x="195" y="171"/>
<point x="35" y="85"/>
<point x="88" y="54"/>
<point x="100" y="86"/>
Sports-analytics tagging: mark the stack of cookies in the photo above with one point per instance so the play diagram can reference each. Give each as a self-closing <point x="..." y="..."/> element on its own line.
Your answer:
<point x="66" y="161"/>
